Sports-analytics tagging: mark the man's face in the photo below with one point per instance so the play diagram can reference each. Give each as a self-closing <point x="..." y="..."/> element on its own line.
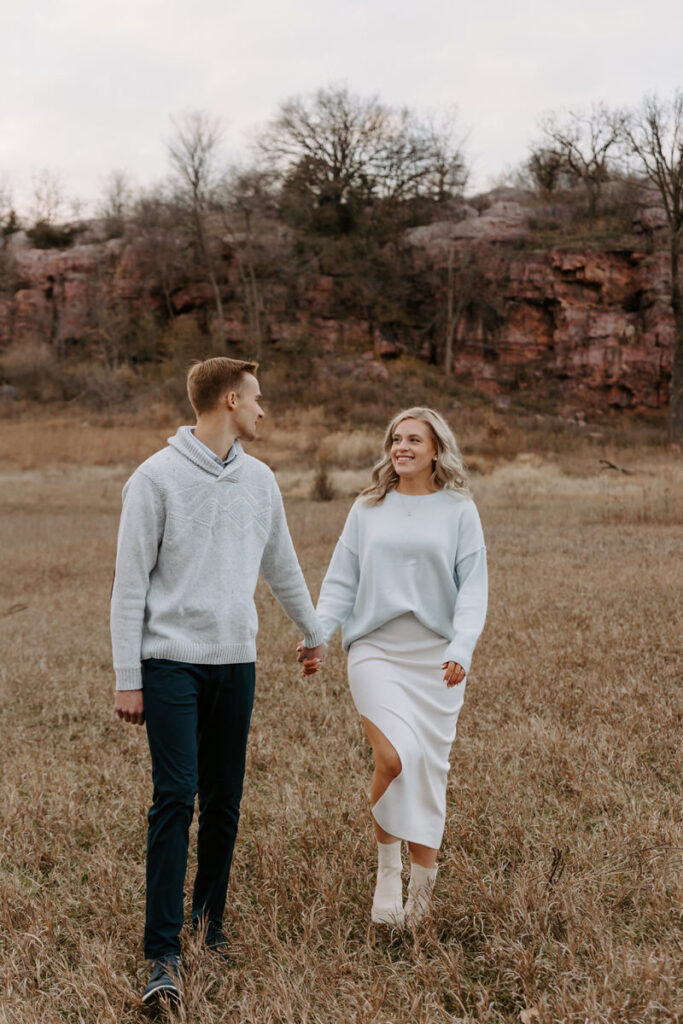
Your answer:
<point x="247" y="411"/>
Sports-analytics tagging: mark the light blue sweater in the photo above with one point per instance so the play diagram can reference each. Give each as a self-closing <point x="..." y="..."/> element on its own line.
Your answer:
<point x="192" y="539"/>
<point x="423" y="554"/>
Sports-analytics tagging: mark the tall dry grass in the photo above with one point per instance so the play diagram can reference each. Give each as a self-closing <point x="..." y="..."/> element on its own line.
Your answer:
<point x="559" y="895"/>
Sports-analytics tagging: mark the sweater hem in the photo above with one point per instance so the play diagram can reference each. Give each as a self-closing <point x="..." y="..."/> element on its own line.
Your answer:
<point x="200" y="654"/>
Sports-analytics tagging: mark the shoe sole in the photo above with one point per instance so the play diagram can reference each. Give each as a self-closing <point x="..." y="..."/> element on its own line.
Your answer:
<point x="172" y="993"/>
<point x="395" y="919"/>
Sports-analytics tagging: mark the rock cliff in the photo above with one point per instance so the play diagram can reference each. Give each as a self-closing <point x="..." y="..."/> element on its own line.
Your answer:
<point x="593" y="326"/>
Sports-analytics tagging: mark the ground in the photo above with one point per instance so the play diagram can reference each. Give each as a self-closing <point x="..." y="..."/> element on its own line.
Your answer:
<point x="559" y="892"/>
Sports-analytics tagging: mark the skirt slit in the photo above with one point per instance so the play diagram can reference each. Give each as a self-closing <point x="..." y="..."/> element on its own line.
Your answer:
<point x="396" y="681"/>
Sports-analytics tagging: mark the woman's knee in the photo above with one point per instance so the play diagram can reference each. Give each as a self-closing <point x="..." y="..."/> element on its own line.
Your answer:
<point x="387" y="761"/>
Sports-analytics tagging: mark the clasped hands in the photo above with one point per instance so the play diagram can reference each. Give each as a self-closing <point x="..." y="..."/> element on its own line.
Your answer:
<point x="310" y="658"/>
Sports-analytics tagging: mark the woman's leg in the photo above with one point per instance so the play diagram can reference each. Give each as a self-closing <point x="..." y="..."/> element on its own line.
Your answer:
<point x="425" y="856"/>
<point x="422" y="877"/>
<point x="387" y="768"/>
<point x="422" y="858"/>
<point x="387" y="902"/>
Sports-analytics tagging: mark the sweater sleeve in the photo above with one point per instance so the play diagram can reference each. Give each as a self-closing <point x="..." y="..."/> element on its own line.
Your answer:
<point x="140" y="532"/>
<point x="339" y="589"/>
<point x="340" y="586"/>
<point x="471" y="577"/>
<point x="282" y="572"/>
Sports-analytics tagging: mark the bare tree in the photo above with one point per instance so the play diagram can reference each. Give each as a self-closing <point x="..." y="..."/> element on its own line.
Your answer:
<point x="6" y="201"/>
<point x="474" y="273"/>
<point x="587" y="142"/>
<point x="49" y="199"/>
<point x="336" y="136"/>
<point x="345" y="153"/>
<point x="155" y="217"/>
<point x="109" y="315"/>
<point x="448" y="172"/>
<point x="546" y="168"/>
<point x="654" y="136"/>
<point x="249" y="197"/>
<point x="194" y="153"/>
<point x="116" y="201"/>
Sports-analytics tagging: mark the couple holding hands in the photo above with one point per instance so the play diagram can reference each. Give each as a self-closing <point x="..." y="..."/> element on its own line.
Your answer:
<point x="407" y="584"/>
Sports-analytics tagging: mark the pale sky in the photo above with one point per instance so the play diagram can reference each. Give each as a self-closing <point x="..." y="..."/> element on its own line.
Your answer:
<point x="87" y="87"/>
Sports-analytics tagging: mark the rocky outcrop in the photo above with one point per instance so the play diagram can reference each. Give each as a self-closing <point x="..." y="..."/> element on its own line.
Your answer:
<point x="502" y="221"/>
<point x="592" y="326"/>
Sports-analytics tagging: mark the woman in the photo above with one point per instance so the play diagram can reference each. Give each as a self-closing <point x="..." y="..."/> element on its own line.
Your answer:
<point x="408" y="583"/>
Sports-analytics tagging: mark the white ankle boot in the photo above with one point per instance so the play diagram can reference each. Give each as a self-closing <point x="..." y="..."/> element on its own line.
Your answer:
<point x="419" y="893"/>
<point x="387" y="903"/>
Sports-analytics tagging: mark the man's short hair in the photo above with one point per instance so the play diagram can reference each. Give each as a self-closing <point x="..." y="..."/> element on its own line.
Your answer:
<point x="209" y="380"/>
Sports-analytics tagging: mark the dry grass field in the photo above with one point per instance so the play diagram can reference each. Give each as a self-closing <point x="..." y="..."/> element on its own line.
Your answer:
<point x="559" y="895"/>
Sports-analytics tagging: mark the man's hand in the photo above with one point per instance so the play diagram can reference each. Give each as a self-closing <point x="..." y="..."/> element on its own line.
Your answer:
<point x="129" y="706"/>
<point x="310" y="658"/>
<point x="453" y="674"/>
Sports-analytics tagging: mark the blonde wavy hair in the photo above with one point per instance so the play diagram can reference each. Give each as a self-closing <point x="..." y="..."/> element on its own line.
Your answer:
<point x="449" y="472"/>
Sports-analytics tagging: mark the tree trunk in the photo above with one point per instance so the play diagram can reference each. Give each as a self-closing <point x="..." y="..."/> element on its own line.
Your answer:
<point x="204" y="249"/>
<point x="450" y="319"/>
<point x="676" y="389"/>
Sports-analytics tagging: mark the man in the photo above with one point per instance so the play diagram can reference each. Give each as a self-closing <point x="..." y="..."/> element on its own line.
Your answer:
<point x="200" y="519"/>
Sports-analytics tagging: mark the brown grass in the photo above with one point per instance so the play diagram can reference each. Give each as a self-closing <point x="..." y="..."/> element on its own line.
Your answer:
<point x="559" y="894"/>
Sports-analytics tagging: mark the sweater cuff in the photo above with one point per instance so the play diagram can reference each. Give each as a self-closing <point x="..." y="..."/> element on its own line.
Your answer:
<point x="314" y="639"/>
<point x="455" y="653"/>
<point x="129" y="678"/>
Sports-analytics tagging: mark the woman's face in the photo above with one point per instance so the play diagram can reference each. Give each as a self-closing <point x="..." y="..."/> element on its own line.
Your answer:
<point x="413" y="449"/>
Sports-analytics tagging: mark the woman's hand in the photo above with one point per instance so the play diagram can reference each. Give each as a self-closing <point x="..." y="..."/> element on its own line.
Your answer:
<point x="453" y="673"/>
<point x="310" y="658"/>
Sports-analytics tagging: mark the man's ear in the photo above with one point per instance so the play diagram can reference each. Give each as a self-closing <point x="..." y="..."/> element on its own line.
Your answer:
<point x="230" y="400"/>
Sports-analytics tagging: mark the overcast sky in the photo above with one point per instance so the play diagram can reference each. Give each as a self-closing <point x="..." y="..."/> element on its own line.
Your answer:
<point x="88" y="86"/>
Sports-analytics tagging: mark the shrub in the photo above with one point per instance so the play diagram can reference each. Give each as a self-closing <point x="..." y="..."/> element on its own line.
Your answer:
<point x="33" y="369"/>
<point x="51" y="236"/>
<point x="321" y="488"/>
<point x="98" y="385"/>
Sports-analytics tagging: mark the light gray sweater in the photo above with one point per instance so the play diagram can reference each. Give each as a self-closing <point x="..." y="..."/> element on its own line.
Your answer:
<point x="192" y="539"/>
<point x="423" y="554"/>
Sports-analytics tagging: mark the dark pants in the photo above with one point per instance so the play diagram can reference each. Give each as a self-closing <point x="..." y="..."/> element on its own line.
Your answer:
<point x="197" y="724"/>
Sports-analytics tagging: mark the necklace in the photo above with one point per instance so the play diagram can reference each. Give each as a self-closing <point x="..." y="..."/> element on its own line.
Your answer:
<point x="408" y="502"/>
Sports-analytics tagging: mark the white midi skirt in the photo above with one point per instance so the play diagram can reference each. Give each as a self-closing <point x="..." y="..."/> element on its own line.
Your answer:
<point x="396" y="681"/>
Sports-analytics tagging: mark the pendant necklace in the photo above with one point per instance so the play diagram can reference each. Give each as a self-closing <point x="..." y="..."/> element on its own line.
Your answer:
<point x="407" y="502"/>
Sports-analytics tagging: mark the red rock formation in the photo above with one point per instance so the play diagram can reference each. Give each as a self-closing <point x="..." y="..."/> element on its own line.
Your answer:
<point x="593" y="326"/>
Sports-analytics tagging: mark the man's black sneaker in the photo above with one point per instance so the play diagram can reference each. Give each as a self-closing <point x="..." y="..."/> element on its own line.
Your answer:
<point x="216" y="941"/>
<point x="164" y="980"/>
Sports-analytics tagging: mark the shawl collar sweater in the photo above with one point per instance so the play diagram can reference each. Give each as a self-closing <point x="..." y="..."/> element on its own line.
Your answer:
<point x="192" y="539"/>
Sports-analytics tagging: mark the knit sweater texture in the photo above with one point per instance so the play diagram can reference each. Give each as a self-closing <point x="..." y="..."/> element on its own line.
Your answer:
<point x="192" y="539"/>
<point x="423" y="554"/>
